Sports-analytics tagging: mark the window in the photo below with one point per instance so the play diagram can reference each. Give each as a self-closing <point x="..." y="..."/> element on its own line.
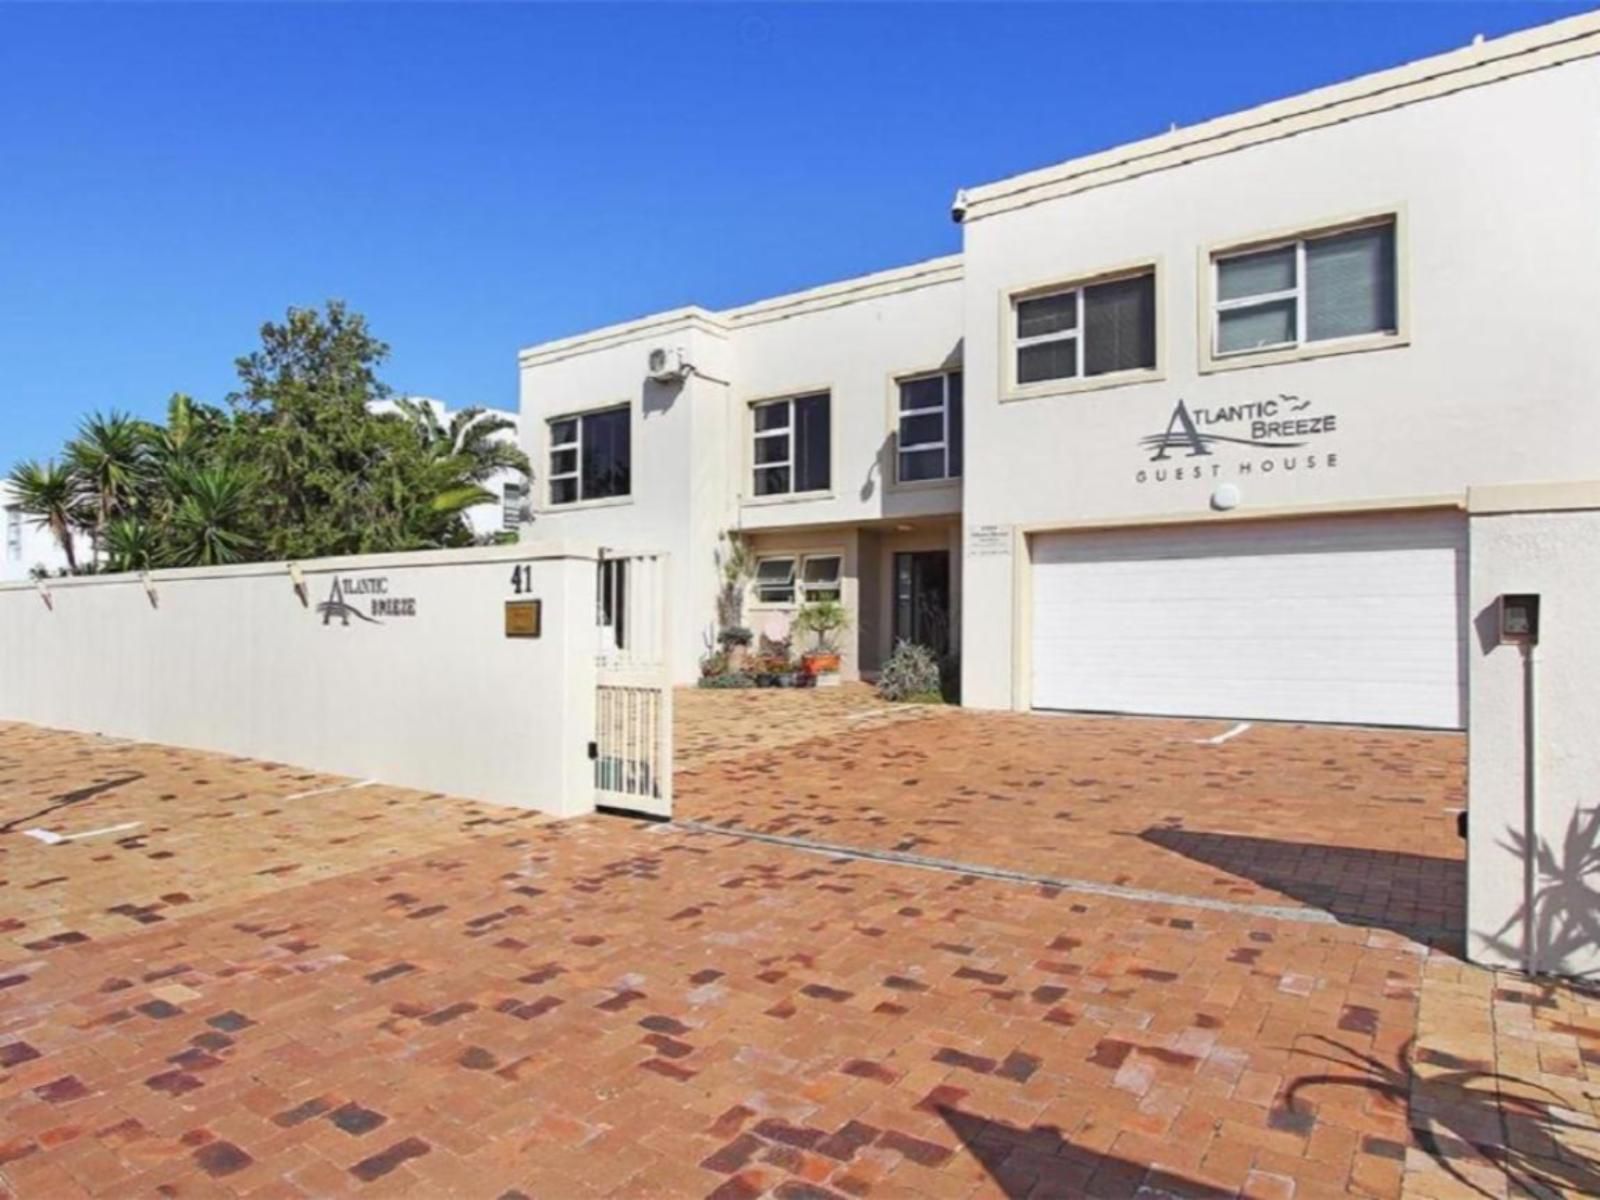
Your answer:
<point x="1316" y="289"/>
<point x="13" y="532"/>
<point x="611" y="600"/>
<point x="930" y="428"/>
<point x="792" y="445"/>
<point x="819" y="577"/>
<point x="590" y="456"/>
<point x="775" y="580"/>
<point x="1097" y="329"/>
<point x="511" y="501"/>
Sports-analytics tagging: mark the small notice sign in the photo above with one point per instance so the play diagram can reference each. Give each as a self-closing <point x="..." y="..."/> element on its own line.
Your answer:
<point x="523" y="618"/>
<point x="988" y="540"/>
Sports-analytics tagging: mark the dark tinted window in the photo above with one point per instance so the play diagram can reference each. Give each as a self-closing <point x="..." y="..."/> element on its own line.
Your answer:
<point x="1120" y="325"/>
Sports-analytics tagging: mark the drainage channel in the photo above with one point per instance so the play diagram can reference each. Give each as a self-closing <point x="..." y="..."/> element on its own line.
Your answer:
<point x="1272" y="912"/>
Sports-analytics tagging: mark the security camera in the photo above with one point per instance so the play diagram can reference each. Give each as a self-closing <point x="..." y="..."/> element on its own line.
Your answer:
<point x="958" y="206"/>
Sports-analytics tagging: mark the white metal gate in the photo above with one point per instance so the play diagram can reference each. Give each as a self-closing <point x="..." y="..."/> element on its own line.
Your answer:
<point x="633" y="699"/>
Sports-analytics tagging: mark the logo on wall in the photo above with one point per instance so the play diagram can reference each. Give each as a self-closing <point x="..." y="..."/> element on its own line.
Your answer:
<point x="1283" y="422"/>
<point x="339" y="607"/>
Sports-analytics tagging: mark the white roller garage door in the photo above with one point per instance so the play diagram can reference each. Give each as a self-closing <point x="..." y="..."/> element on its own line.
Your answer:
<point x="1349" y="619"/>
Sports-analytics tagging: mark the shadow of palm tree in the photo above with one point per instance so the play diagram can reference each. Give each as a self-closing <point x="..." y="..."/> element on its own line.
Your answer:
<point x="1461" y="1110"/>
<point x="68" y="799"/>
<point x="1420" y="896"/>
<point x="1557" y="926"/>
<point x="1041" y="1164"/>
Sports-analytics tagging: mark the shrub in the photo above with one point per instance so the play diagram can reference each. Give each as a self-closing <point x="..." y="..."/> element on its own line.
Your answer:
<point x="912" y="673"/>
<point x="734" y="635"/>
<point x="729" y="679"/>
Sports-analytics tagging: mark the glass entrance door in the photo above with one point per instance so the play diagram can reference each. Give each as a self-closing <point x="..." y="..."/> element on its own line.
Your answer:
<point x="922" y="599"/>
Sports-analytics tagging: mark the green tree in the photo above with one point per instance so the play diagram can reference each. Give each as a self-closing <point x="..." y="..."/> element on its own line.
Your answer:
<point x="211" y="522"/>
<point x="108" y="460"/>
<point x="130" y="544"/>
<point x="50" y="494"/>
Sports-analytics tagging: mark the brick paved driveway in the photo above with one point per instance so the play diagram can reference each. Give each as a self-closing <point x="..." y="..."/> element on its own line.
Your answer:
<point x="260" y="991"/>
<point x="1357" y="823"/>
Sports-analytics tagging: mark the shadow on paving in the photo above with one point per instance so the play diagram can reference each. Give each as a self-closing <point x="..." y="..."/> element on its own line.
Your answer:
<point x="1464" y="1113"/>
<point x="68" y="799"/>
<point x="1039" y="1162"/>
<point x="1419" y="896"/>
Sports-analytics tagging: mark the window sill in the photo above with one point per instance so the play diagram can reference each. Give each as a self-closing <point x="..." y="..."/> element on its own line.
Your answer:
<point x="926" y="485"/>
<point x="1073" y="387"/>
<point x="553" y="510"/>
<point x="1210" y="364"/>
<point x="784" y="498"/>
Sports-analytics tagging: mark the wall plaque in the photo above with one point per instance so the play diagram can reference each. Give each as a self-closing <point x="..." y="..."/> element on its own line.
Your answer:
<point x="523" y="618"/>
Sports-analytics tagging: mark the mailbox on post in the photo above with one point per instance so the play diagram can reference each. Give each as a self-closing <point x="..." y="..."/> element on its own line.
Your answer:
<point x="1519" y="618"/>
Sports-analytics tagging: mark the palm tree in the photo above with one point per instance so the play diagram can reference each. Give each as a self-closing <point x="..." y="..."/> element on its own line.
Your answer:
<point x="458" y="460"/>
<point x="130" y="544"/>
<point x="50" y="494"/>
<point x="210" y="522"/>
<point x="110" y="459"/>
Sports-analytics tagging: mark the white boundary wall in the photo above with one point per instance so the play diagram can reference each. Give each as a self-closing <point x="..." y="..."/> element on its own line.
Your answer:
<point x="422" y="690"/>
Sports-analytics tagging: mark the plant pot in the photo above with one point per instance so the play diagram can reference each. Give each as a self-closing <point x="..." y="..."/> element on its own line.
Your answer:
<point x="822" y="663"/>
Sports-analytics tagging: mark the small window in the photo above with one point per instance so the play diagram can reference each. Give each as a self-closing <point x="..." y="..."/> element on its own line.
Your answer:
<point x="13" y="532"/>
<point x="819" y="577"/>
<point x="1097" y="329"/>
<point x="775" y="580"/>
<point x="512" y="498"/>
<point x="1315" y="289"/>
<point x="930" y="428"/>
<point x="792" y="445"/>
<point x="590" y="456"/>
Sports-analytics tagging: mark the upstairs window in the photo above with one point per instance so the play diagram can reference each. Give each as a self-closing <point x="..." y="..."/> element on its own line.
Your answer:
<point x="1313" y="289"/>
<point x="13" y="532"/>
<point x="929" y="443"/>
<point x="792" y="445"/>
<point x="591" y="456"/>
<point x="511" y="501"/>
<point x="1081" y="332"/>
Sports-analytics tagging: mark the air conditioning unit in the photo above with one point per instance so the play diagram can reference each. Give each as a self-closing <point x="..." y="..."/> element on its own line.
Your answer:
<point x="667" y="365"/>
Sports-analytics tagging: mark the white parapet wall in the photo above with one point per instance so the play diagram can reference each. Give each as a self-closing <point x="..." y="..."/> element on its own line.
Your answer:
<point x="393" y="667"/>
<point x="1533" y="884"/>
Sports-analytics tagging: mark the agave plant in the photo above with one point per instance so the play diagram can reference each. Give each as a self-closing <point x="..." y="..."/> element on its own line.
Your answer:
<point x="211" y="521"/>
<point x="50" y="494"/>
<point x="130" y="544"/>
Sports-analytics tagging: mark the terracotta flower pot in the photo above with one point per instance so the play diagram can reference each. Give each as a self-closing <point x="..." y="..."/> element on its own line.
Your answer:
<point x="821" y="663"/>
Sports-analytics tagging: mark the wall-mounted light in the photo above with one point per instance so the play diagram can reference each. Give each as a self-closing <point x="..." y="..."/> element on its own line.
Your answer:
<point x="44" y="594"/>
<point x="298" y="579"/>
<point x="150" y="588"/>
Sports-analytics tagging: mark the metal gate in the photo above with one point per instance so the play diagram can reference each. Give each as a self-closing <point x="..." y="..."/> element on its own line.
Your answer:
<point x="633" y="699"/>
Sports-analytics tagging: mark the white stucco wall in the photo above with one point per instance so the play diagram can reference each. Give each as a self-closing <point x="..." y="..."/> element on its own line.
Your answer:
<point x="1495" y="188"/>
<point x="230" y="659"/>
<point x="1556" y="554"/>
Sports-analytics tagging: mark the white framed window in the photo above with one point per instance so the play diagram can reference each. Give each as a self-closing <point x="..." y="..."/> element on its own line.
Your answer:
<point x="792" y="445"/>
<point x="13" y="532"/>
<point x="1316" y="288"/>
<point x="1087" y="330"/>
<point x="930" y="428"/>
<point x="774" y="579"/>
<point x="819" y="577"/>
<point x="512" y="497"/>
<point x="591" y="456"/>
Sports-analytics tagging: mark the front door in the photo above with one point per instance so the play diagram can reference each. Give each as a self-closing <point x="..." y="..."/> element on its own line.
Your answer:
<point x="922" y="599"/>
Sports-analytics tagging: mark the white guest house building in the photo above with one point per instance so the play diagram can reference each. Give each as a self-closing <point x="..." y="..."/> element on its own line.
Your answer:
<point x="1254" y="419"/>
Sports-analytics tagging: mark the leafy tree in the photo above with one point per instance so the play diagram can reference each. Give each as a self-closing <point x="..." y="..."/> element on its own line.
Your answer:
<point x="297" y="466"/>
<point x="50" y="494"/>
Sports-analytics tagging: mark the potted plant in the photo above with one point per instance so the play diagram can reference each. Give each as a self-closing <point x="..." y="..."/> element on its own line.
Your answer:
<point x="823" y="619"/>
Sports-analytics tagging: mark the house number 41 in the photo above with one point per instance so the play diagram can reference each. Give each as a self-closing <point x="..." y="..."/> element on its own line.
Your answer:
<point x="522" y="578"/>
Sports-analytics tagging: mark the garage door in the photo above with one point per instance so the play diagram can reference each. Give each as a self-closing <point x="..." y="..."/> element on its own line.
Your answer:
<point x="1350" y="619"/>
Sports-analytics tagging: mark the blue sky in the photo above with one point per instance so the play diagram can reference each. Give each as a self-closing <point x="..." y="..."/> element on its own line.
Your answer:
<point x="479" y="178"/>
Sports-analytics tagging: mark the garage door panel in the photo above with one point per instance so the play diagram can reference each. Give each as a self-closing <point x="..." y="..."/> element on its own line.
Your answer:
<point x="1346" y="619"/>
